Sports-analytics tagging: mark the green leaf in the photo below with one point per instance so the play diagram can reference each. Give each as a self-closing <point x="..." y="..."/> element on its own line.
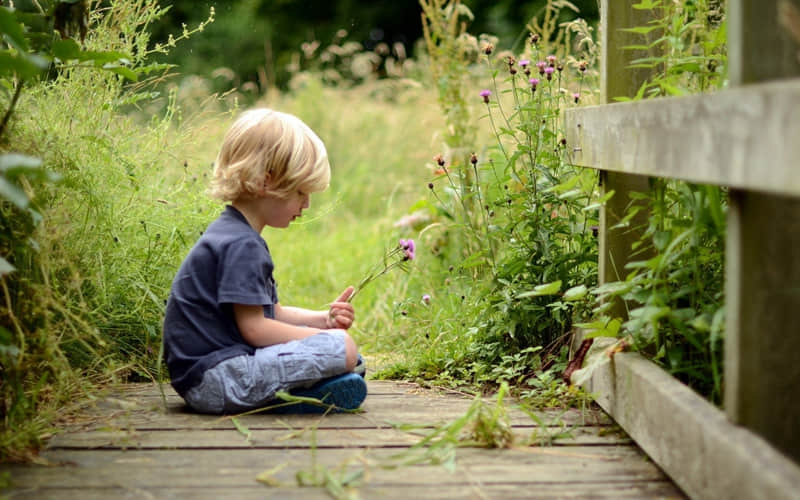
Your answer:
<point x="13" y="194"/>
<point x="13" y="30"/>
<point x="642" y="30"/>
<point x="22" y="64"/>
<point x="545" y="289"/>
<point x="14" y="161"/>
<point x="576" y="293"/>
<point x="6" y="268"/>
<point x="122" y="71"/>
<point x="243" y="430"/>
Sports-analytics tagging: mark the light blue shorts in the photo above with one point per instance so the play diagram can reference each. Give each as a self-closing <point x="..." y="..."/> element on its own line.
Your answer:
<point x="248" y="382"/>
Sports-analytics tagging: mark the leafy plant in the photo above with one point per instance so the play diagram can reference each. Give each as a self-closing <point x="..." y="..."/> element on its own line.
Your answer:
<point x="675" y="296"/>
<point x="64" y="75"/>
<point x="516" y="222"/>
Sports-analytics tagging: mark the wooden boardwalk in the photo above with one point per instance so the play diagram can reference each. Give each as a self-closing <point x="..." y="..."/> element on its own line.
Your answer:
<point x="127" y="446"/>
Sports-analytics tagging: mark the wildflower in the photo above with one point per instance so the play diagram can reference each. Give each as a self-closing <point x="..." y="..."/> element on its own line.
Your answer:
<point x="396" y="257"/>
<point x="524" y="63"/>
<point x="576" y="96"/>
<point x="560" y="68"/>
<point x="408" y="248"/>
<point x="439" y="159"/>
<point x="534" y="82"/>
<point x="473" y="158"/>
<point x="430" y="186"/>
<point x="551" y="61"/>
<point x="487" y="48"/>
<point x="541" y="65"/>
<point x="511" y="68"/>
<point x="534" y="38"/>
<point x="426" y="299"/>
<point x="485" y="93"/>
<point x="548" y="72"/>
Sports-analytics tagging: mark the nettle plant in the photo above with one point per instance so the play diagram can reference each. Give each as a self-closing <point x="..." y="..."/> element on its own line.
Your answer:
<point x="529" y="216"/>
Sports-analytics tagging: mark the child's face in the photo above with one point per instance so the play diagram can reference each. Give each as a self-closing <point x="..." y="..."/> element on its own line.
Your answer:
<point x="280" y="212"/>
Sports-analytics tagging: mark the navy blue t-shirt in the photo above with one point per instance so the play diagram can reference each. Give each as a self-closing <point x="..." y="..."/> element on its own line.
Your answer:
<point x="229" y="264"/>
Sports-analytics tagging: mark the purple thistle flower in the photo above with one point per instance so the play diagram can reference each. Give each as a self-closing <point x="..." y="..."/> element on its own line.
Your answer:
<point x="534" y="82"/>
<point x="576" y="96"/>
<point x="426" y="299"/>
<point x="485" y="93"/>
<point x="524" y="62"/>
<point x="541" y="65"/>
<point x="409" y="249"/>
<point x="548" y="71"/>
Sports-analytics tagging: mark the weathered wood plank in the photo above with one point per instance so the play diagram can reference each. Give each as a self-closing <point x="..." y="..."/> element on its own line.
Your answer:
<point x="762" y="265"/>
<point x="541" y="490"/>
<point x="141" y="409"/>
<point x="619" y="79"/>
<point x="303" y="438"/>
<point x="744" y="137"/>
<point x="690" y="439"/>
<point x="219" y="468"/>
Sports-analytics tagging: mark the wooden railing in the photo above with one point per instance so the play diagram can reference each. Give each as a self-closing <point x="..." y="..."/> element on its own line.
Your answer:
<point x="746" y="138"/>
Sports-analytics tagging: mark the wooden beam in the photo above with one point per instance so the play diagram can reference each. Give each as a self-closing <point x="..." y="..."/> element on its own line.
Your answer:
<point x="747" y="137"/>
<point x="762" y="261"/>
<point x="618" y="79"/>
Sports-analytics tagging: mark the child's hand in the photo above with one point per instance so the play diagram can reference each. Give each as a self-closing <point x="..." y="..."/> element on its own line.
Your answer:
<point x="341" y="313"/>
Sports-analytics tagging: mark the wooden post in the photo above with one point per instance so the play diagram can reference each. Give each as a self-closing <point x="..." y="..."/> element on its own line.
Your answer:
<point x="762" y="344"/>
<point x="619" y="80"/>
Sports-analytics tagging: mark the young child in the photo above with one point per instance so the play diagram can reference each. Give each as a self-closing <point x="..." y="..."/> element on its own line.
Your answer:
<point x="230" y="346"/>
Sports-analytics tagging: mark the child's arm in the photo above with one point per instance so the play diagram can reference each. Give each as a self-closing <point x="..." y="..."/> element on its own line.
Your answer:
<point x="291" y="323"/>
<point x="259" y="331"/>
<point x="340" y="314"/>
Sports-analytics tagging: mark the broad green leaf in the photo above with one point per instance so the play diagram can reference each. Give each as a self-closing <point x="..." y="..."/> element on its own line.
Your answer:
<point x="13" y="30"/>
<point x="122" y="71"/>
<point x="576" y="293"/>
<point x="545" y="289"/>
<point x="24" y="65"/>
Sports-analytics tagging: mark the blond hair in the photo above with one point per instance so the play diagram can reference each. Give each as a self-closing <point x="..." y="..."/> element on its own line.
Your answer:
<point x="267" y="144"/>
